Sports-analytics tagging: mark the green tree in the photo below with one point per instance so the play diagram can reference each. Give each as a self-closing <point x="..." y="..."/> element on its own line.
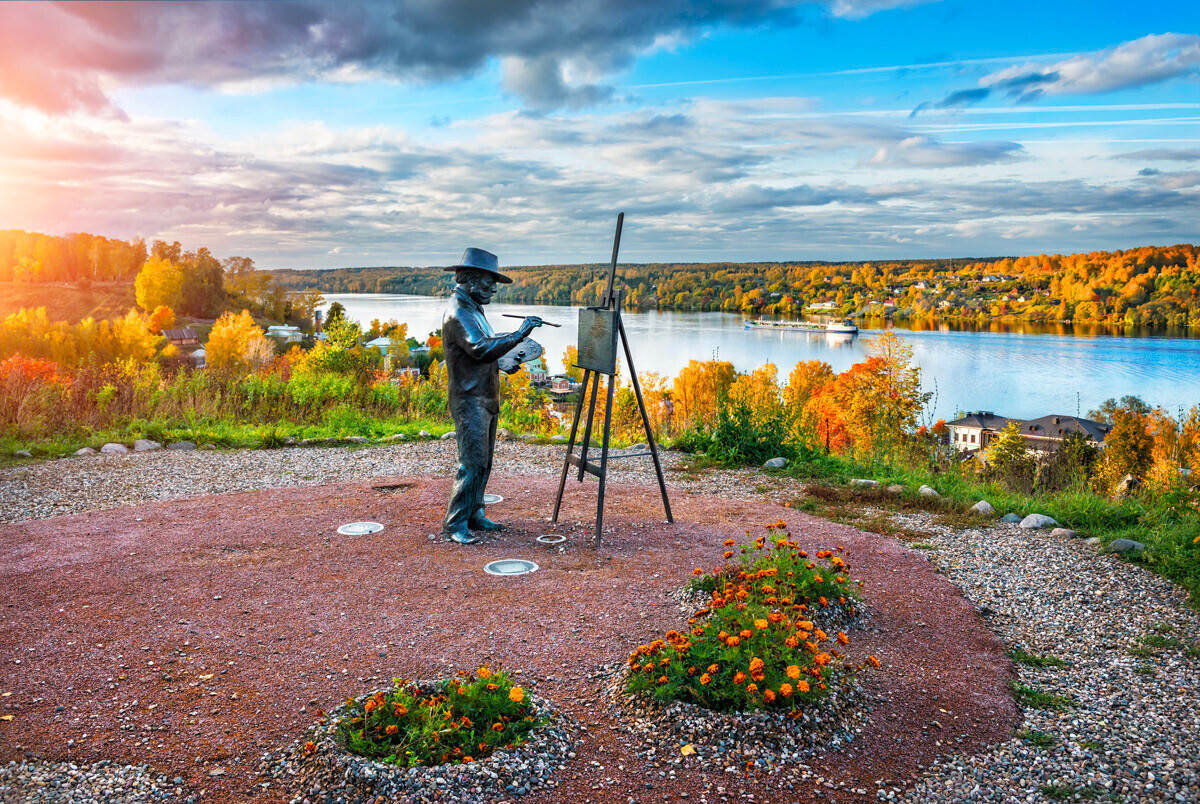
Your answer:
<point x="1009" y="458"/>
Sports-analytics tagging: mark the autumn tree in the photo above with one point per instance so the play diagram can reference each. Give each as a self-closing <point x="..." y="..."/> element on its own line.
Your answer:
<point x="1009" y="459"/>
<point x="159" y="283"/>
<point x="236" y="342"/>
<point x="162" y="318"/>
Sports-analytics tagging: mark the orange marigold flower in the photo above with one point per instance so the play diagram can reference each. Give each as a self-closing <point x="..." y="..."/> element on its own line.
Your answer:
<point x="873" y="661"/>
<point x="467" y="759"/>
<point x="712" y="668"/>
<point x="733" y="642"/>
<point x="793" y="672"/>
<point x="818" y="579"/>
<point x="802" y="686"/>
<point x="785" y="689"/>
<point x="492" y="687"/>
<point x="769" y="696"/>
<point x="697" y="571"/>
<point x="400" y="711"/>
<point x="820" y="635"/>
<point x="729" y="542"/>
<point x="824" y="603"/>
<point x="516" y="695"/>
<point x="662" y="679"/>
<point x="752" y="688"/>
<point x="691" y="671"/>
<point x="739" y="677"/>
<point x="842" y="638"/>
<point x="761" y="625"/>
<point x="705" y="680"/>
<point x="791" y="641"/>
<point x="755" y="664"/>
<point x="484" y="673"/>
<point x="775" y="616"/>
<point x="497" y="726"/>
<point x="392" y="728"/>
<point x="822" y="659"/>
<point x="369" y="705"/>
<point x="746" y="634"/>
<point x="728" y="554"/>
<point x="310" y="747"/>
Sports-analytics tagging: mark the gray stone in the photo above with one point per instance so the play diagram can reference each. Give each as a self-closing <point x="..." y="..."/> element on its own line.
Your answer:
<point x="397" y="437"/>
<point x="424" y="434"/>
<point x="896" y="488"/>
<point x="182" y="446"/>
<point x="1010" y="518"/>
<point x="1128" y="483"/>
<point x="775" y="463"/>
<point x="1066" y="533"/>
<point x="928" y="491"/>
<point x="503" y="434"/>
<point x="114" y="447"/>
<point x="983" y="507"/>
<point x="1125" y="546"/>
<point x="448" y="436"/>
<point x="640" y="448"/>
<point x="558" y="437"/>
<point x="528" y="437"/>
<point x="23" y="453"/>
<point x="858" y="481"/>
<point x="357" y="440"/>
<point x="1036" y="521"/>
<point x="209" y="445"/>
<point x="145" y="445"/>
<point x="85" y="451"/>
<point x="287" y="441"/>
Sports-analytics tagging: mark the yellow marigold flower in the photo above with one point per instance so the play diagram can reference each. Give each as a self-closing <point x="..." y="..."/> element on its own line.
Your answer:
<point x="516" y="695"/>
<point x="785" y="689"/>
<point x="705" y="680"/>
<point x="793" y="672"/>
<point x="761" y="625"/>
<point x="392" y="728"/>
<point x="484" y="673"/>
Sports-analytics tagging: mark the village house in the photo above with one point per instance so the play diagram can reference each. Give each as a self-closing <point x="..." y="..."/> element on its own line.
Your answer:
<point x="538" y="374"/>
<point x="976" y="431"/>
<point x="824" y="305"/>
<point x="285" y="332"/>
<point x="180" y="338"/>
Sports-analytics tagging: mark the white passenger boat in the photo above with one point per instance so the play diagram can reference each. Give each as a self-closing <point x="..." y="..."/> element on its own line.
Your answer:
<point x="843" y="327"/>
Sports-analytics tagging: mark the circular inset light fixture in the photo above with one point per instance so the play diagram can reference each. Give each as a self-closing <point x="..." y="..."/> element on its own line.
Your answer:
<point x="360" y="528"/>
<point x="492" y="499"/>
<point x="510" y="566"/>
<point x="551" y="538"/>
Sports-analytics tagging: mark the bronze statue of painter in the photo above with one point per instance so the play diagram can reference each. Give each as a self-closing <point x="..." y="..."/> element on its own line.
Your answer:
<point x="472" y="352"/>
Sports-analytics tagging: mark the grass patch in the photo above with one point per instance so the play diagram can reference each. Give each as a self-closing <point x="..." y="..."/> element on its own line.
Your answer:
<point x="1193" y="651"/>
<point x="1038" y="739"/>
<point x="1159" y="641"/>
<point x="1091" y="745"/>
<point x="1066" y="792"/>
<point x="1034" y="698"/>
<point x="923" y="546"/>
<point x="1019" y="656"/>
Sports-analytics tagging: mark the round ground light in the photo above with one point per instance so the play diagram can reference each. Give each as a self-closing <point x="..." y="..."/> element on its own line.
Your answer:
<point x="510" y="566"/>
<point x="492" y="499"/>
<point x="551" y="538"/>
<point x="360" y="528"/>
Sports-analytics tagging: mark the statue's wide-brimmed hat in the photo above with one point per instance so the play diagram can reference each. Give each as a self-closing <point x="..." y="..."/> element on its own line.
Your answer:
<point x="481" y="260"/>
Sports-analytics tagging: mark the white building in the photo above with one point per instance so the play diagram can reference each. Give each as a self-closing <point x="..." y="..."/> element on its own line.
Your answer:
<point x="285" y="332"/>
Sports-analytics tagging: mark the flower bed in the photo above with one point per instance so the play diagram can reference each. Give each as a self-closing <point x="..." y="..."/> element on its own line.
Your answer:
<point x="410" y="742"/>
<point x="760" y="643"/>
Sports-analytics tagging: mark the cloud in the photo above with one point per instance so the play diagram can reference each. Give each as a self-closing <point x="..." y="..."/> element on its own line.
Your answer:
<point x="60" y="57"/>
<point x="1163" y="155"/>
<point x="1140" y="62"/>
<point x="927" y="152"/>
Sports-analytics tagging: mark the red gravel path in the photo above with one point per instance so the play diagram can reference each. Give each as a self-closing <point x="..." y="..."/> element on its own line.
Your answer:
<point x="223" y="623"/>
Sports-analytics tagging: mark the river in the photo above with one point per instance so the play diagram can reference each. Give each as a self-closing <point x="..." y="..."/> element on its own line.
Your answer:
<point x="1015" y="370"/>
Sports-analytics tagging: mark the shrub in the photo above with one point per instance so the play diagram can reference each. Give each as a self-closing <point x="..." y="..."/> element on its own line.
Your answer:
<point x="466" y="718"/>
<point x="758" y="643"/>
<point x="744" y="435"/>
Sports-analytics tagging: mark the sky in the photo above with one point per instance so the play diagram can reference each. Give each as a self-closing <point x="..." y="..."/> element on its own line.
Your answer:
<point x="314" y="134"/>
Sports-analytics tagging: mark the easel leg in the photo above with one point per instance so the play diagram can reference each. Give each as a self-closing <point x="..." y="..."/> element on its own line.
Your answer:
<point x="562" y="481"/>
<point x="612" y="381"/>
<point x="637" y="391"/>
<point x="587" y="428"/>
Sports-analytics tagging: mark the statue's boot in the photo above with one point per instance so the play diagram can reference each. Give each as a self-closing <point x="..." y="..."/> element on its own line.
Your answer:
<point x="461" y="536"/>
<point x="481" y="522"/>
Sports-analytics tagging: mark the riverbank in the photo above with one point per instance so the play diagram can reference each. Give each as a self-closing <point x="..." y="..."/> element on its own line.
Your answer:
<point x="1107" y="653"/>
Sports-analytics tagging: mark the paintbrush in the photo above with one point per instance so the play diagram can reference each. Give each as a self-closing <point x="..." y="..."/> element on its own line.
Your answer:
<point x="511" y="315"/>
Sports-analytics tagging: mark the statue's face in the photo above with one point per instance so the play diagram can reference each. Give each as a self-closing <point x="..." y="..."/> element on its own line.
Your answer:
<point x="482" y="287"/>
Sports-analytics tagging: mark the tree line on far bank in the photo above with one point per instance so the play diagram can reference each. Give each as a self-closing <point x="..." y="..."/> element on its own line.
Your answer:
<point x="1151" y="285"/>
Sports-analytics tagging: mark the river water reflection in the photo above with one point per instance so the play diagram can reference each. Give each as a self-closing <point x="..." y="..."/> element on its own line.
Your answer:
<point x="1018" y="370"/>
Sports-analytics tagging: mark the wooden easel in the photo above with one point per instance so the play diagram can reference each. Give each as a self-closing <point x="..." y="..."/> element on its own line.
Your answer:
<point x="610" y="302"/>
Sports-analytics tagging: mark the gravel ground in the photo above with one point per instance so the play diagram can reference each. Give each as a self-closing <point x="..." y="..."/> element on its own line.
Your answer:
<point x="104" y="481"/>
<point x="100" y="783"/>
<point x="1132" y="730"/>
<point x="1130" y="733"/>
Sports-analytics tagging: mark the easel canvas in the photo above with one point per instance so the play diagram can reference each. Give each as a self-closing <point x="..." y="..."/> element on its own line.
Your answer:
<point x="599" y="330"/>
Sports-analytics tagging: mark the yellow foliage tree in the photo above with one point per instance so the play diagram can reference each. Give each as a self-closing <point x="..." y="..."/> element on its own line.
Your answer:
<point x="696" y="390"/>
<point x="160" y="282"/>
<point x="236" y="342"/>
